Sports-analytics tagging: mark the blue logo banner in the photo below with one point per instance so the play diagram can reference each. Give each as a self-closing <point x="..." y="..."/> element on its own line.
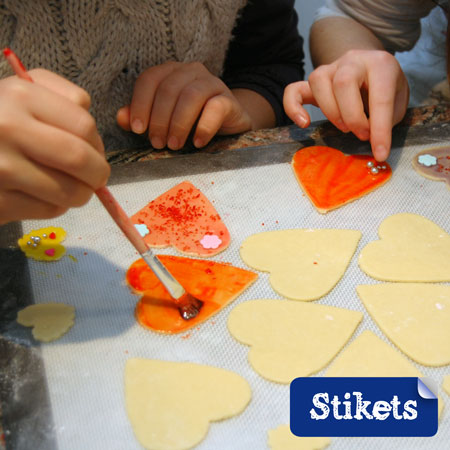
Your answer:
<point x="328" y="406"/>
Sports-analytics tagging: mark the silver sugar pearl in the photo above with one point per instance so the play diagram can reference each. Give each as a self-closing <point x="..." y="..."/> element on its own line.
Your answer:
<point x="370" y="164"/>
<point x="374" y="170"/>
<point x="34" y="245"/>
<point x="383" y="167"/>
<point x="29" y="243"/>
<point x="37" y="239"/>
<point x="44" y="236"/>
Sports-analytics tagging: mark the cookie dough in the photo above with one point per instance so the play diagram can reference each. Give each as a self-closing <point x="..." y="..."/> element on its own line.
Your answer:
<point x="304" y="264"/>
<point x="434" y="164"/>
<point x="184" y="218"/>
<point x="49" y="320"/>
<point x="291" y="339"/>
<point x="281" y="438"/>
<point x="171" y="404"/>
<point x="331" y="178"/>
<point x="414" y="316"/>
<point x="44" y="244"/>
<point x="215" y="284"/>
<point x="411" y="248"/>
<point x="369" y="356"/>
<point x="446" y="384"/>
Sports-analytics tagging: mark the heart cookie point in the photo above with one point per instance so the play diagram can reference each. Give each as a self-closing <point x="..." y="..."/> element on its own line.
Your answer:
<point x="44" y="244"/>
<point x="331" y="178"/>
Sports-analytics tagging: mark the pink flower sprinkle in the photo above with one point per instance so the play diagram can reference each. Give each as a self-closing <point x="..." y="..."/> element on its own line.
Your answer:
<point x="50" y="252"/>
<point x="210" y="241"/>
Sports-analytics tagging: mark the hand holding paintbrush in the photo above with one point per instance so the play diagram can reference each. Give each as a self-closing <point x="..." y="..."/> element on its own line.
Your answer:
<point x="188" y="305"/>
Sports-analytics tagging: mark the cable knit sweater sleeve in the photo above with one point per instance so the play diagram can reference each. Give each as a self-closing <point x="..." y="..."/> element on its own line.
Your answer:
<point x="266" y="53"/>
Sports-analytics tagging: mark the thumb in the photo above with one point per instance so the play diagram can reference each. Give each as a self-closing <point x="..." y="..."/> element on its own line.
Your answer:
<point x="295" y="96"/>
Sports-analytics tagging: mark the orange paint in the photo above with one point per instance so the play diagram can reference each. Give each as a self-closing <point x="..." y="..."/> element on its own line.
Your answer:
<point x="331" y="179"/>
<point x="216" y="284"/>
<point x="181" y="217"/>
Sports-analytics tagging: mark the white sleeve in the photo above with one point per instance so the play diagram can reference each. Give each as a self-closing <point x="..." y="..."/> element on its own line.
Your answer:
<point x="396" y="23"/>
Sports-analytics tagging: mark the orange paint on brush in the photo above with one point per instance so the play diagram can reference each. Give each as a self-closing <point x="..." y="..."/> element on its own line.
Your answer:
<point x="331" y="179"/>
<point x="182" y="217"/>
<point x="216" y="284"/>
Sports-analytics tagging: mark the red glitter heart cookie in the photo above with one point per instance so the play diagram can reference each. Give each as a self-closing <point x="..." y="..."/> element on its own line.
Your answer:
<point x="184" y="218"/>
<point x="331" y="179"/>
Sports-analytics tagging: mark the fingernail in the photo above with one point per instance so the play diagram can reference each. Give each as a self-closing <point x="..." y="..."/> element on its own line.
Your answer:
<point x="381" y="153"/>
<point x="301" y="120"/>
<point x="198" y="143"/>
<point x="157" y="142"/>
<point x="137" y="126"/>
<point x="173" y="143"/>
<point x="341" y="125"/>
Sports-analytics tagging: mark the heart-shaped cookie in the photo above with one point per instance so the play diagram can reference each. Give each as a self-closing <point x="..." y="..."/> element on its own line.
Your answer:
<point x="44" y="244"/>
<point x="281" y="438"/>
<point x="434" y="164"/>
<point x="49" y="320"/>
<point x="331" y="179"/>
<point x="214" y="283"/>
<point x="411" y="248"/>
<point x="369" y="356"/>
<point x="414" y="316"/>
<point x="184" y="218"/>
<point x="171" y="404"/>
<point x="303" y="264"/>
<point x="291" y="339"/>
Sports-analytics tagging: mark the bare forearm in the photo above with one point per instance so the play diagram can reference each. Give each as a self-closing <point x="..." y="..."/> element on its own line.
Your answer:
<point x="258" y="108"/>
<point x="331" y="37"/>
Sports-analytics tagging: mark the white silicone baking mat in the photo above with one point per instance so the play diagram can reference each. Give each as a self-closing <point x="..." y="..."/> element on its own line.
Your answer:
<point x="85" y="367"/>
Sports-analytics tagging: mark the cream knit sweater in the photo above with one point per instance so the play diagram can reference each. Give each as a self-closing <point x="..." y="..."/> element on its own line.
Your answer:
<point x="103" y="45"/>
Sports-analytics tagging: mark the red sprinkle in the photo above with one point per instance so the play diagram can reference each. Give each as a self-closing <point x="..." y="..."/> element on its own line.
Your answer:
<point x="52" y="235"/>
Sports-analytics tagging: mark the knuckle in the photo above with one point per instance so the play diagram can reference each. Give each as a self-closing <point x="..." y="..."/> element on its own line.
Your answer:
<point x="343" y="77"/>
<point x="49" y="211"/>
<point x="87" y="126"/>
<point x="197" y="66"/>
<point x="82" y="98"/>
<point x="7" y="171"/>
<point x="77" y="156"/>
<point x="317" y="75"/>
<point x="168" y="88"/>
<point x="192" y="91"/>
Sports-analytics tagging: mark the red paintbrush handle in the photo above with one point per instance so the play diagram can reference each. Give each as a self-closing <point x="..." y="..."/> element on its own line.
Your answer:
<point x="121" y="219"/>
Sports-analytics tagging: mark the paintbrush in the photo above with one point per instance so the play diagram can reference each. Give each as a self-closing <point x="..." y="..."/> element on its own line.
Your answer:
<point x="188" y="305"/>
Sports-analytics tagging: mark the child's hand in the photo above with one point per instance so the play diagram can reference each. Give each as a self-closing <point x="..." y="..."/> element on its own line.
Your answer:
<point x="51" y="155"/>
<point x="168" y="100"/>
<point x="363" y="91"/>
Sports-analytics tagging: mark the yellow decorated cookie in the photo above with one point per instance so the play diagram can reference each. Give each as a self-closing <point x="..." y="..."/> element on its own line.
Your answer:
<point x="44" y="244"/>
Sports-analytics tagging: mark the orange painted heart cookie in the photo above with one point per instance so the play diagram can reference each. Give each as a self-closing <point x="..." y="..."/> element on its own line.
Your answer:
<point x="215" y="284"/>
<point x="184" y="218"/>
<point x="331" y="179"/>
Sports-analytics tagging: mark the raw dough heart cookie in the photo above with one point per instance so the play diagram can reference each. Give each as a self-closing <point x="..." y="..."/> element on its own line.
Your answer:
<point x="411" y="248"/>
<point x="304" y="264"/>
<point x="415" y="317"/>
<point x="369" y="356"/>
<point x="49" y="320"/>
<point x="446" y="384"/>
<point x="214" y="283"/>
<point x="44" y="244"/>
<point x="184" y="218"/>
<point x="331" y="178"/>
<point x="434" y="164"/>
<point x="171" y="404"/>
<point x="291" y="339"/>
<point x="281" y="438"/>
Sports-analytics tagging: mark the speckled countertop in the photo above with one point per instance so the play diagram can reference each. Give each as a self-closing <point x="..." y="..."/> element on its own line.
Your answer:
<point x="319" y="133"/>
